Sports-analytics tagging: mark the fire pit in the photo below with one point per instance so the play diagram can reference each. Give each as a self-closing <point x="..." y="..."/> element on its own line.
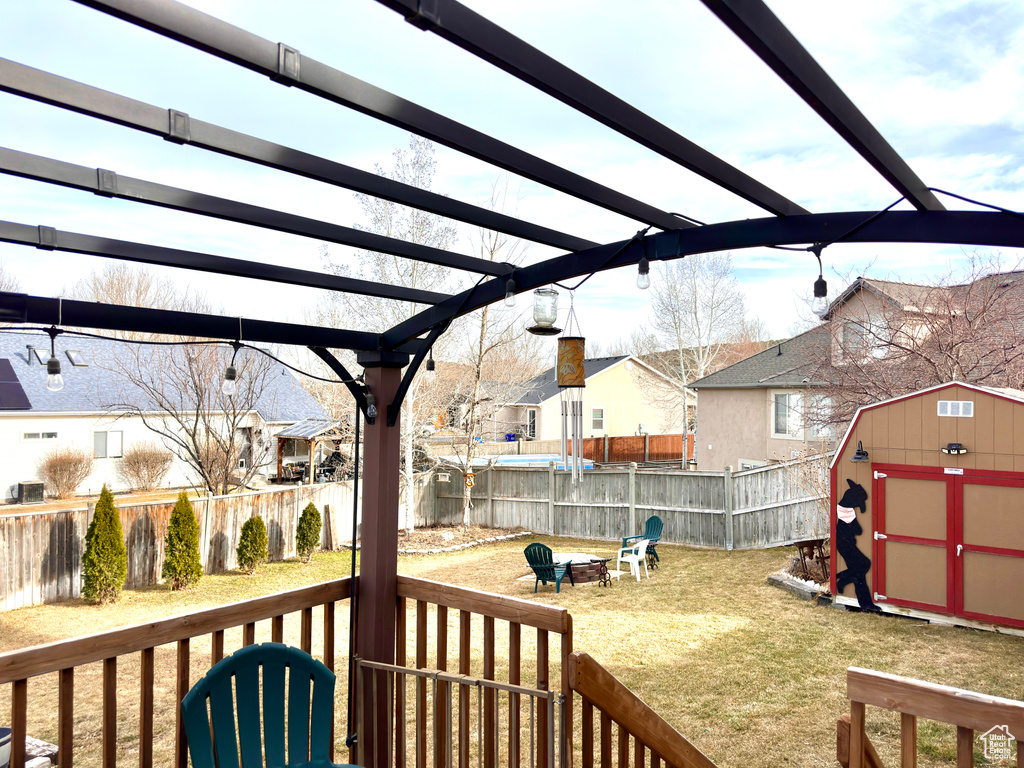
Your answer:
<point x="583" y="568"/>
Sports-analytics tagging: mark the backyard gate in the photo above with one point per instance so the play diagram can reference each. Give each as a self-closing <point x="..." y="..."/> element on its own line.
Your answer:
<point x="935" y="483"/>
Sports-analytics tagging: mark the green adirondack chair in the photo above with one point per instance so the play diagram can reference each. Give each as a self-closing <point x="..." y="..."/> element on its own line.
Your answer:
<point x="309" y="727"/>
<point x="652" y="532"/>
<point x="539" y="558"/>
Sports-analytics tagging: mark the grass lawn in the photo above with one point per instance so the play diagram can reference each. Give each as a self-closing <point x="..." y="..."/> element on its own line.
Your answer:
<point x="752" y="675"/>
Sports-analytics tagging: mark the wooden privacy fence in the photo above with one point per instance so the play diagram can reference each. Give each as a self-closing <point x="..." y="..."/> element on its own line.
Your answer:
<point x="605" y="450"/>
<point x="41" y="552"/>
<point x="755" y="508"/>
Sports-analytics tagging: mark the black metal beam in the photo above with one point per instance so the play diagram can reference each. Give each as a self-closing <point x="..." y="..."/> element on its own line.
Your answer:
<point x="356" y="389"/>
<point x="953" y="227"/>
<point x="287" y="66"/>
<point x="110" y="184"/>
<point x="755" y="24"/>
<point x="38" y="310"/>
<point x="179" y="127"/>
<point x="469" y="30"/>
<point x="52" y="239"/>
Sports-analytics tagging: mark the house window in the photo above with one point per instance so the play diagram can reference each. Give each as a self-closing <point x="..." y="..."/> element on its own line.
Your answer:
<point x="107" y="445"/>
<point x="41" y="355"/>
<point x="39" y="436"/>
<point x="956" y="408"/>
<point x="786" y="415"/>
<point x="77" y="358"/>
<point x="531" y="423"/>
<point x="597" y="419"/>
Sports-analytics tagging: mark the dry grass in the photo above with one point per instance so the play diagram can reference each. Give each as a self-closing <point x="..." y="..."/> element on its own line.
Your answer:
<point x="752" y="675"/>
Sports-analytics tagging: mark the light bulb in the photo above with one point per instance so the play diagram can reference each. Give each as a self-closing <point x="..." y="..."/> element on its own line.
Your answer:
<point x="229" y="387"/>
<point x="510" y="294"/>
<point x="429" y="372"/>
<point x="819" y="305"/>
<point x="54" y="381"/>
<point x="643" y="275"/>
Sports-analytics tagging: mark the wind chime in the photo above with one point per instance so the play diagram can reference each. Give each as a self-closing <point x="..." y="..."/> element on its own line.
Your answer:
<point x="571" y="381"/>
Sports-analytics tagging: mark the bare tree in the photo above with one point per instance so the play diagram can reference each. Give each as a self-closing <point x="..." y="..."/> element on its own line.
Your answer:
<point x="890" y="339"/>
<point x="415" y="167"/>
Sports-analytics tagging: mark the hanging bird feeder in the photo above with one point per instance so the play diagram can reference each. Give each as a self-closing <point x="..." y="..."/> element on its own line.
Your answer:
<point x="545" y="312"/>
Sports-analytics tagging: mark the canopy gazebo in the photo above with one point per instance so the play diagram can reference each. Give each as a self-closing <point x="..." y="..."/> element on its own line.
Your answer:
<point x="312" y="432"/>
<point x="391" y="357"/>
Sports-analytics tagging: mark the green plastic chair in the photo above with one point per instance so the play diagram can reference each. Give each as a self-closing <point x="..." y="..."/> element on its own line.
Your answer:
<point x="539" y="558"/>
<point x="652" y="532"/>
<point x="210" y="706"/>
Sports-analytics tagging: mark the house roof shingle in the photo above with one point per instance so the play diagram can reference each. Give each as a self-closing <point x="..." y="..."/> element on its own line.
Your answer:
<point x="97" y="385"/>
<point x="544" y="386"/>
<point x="790" y="363"/>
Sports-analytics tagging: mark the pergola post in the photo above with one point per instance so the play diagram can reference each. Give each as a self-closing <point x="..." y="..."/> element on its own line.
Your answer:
<point x="378" y="564"/>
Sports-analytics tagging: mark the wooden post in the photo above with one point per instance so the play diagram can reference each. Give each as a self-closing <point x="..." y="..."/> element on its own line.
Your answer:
<point x="490" y="497"/>
<point x="728" y="506"/>
<point x="647" y="448"/>
<point x="632" y="496"/>
<point x="551" y="498"/>
<point x="606" y="449"/>
<point x="378" y="566"/>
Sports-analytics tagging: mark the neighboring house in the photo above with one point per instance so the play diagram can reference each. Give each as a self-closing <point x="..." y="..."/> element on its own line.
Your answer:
<point x="619" y="399"/>
<point x="34" y="420"/>
<point x="755" y="411"/>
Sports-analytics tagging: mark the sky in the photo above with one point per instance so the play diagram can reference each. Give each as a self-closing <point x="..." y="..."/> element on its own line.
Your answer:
<point x="942" y="80"/>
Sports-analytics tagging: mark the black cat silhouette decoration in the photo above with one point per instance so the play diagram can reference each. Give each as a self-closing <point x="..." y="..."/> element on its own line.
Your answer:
<point x="847" y="530"/>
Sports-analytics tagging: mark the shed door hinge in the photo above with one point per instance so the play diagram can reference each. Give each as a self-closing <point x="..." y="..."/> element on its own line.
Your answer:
<point x="880" y="536"/>
<point x="880" y="475"/>
<point x="879" y="597"/>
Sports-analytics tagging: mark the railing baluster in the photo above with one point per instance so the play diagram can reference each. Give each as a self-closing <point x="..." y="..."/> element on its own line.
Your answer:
<point x="400" y="653"/>
<point x="965" y="747"/>
<point x="638" y="753"/>
<point x="109" y="746"/>
<point x="277" y="629"/>
<point x="490" y="743"/>
<point x="464" y="669"/>
<point x="514" y="677"/>
<point x="655" y="759"/>
<point x="542" y="707"/>
<point x="217" y="647"/>
<point x="146" y="708"/>
<point x="249" y="633"/>
<point x="306" y="642"/>
<point x="180" y="742"/>
<point x="360" y="718"/>
<point x="390" y="693"/>
<point x="328" y="660"/>
<point x="19" y="721"/>
<point x="856" y="734"/>
<point x="66" y="719"/>
<point x="908" y="741"/>
<point x="623" y="745"/>
<point x="421" y="684"/>
<point x="566" y="650"/>
<point x="441" y="747"/>
<point x="587" y="714"/>
<point x="606" y="740"/>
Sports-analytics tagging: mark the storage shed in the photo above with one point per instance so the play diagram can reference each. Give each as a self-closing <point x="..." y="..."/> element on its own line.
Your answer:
<point x="928" y="506"/>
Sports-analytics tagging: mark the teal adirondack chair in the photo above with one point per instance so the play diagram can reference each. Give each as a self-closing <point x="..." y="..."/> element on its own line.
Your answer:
<point x="309" y="727"/>
<point x="652" y="532"/>
<point x="539" y="558"/>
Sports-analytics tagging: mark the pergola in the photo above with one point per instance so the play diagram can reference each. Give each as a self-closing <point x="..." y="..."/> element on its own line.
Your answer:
<point x="391" y="358"/>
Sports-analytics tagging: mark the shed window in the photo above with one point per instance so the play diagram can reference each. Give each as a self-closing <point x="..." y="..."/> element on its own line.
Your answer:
<point x="956" y="408"/>
<point x="107" y="445"/>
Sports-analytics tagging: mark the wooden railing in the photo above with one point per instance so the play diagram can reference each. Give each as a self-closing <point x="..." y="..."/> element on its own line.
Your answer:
<point x="121" y="645"/>
<point x="967" y="710"/>
<point x="633" y="720"/>
<point x="481" y="661"/>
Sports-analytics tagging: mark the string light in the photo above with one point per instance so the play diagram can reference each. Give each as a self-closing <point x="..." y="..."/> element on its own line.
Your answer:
<point x="54" y="380"/>
<point x="643" y="275"/>
<point x="510" y="293"/>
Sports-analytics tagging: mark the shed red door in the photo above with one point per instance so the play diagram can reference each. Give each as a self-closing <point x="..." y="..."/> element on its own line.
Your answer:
<point x="950" y="543"/>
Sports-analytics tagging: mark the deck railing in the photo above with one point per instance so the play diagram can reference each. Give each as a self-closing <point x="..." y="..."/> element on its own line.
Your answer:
<point x="653" y="740"/>
<point x="967" y="710"/>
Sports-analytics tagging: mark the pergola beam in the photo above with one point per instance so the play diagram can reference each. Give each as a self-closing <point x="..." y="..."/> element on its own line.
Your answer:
<point x="952" y="227"/>
<point x="180" y="127"/>
<point x="37" y="310"/>
<point x="287" y="66"/>
<point x="110" y="184"/>
<point x="469" y="30"/>
<point x="49" y="238"/>
<point x="755" y="24"/>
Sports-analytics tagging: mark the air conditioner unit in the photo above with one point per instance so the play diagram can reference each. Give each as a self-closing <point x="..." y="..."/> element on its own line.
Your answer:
<point x="30" y="493"/>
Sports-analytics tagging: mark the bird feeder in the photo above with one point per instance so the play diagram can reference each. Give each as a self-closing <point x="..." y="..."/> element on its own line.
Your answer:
<point x="545" y="312"/>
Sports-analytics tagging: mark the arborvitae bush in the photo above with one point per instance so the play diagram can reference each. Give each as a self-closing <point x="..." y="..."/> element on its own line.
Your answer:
<point x="182" y="565"/>
<point x="105" y="562"/>
<point x="253" y="546"/>
<point x="307" y="534"/>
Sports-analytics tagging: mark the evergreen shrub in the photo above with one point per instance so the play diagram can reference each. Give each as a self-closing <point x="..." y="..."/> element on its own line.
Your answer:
<point x="253" y="545"/>
<point x="105" y="562"/>
<point x="182" y="565"/>
<point x="307" y="534"/>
